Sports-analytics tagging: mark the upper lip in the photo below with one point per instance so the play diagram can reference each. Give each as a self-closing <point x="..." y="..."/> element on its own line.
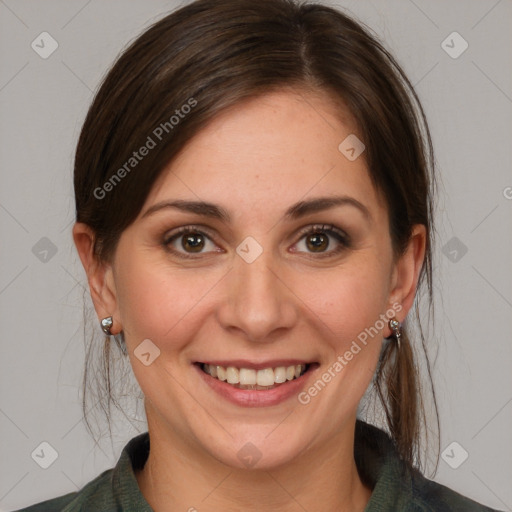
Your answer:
<point x="244" y="363"/>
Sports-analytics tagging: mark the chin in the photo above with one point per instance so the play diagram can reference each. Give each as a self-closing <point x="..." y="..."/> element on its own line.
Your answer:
<point x="258" y="448"/>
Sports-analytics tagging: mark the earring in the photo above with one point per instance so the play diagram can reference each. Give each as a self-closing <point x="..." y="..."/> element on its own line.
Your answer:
<point x="396" y="327"/>
<point x="106" y="325"/>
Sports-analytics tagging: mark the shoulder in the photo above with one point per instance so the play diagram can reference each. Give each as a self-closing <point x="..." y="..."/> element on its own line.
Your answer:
<point x="50" y="505"/>
<point x="398" y="486"/>
<point x="114" y="489"/>
<point x="427" y="495"/>
<point x="88" y="498"/>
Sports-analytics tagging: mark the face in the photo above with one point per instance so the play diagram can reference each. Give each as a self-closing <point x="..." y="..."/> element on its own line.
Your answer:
<point x="272" y="284"/>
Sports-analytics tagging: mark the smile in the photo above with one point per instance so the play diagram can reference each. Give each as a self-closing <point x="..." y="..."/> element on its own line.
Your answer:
<point x="256" y="385"/>
<point x="249" y="378"/>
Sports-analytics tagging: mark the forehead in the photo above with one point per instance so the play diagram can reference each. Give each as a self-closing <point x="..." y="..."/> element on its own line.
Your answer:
<point x="271" y="150"/>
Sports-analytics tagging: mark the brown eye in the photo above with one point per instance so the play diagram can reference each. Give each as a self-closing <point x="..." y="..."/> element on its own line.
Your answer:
<point x="187" y="241"/>
<point x="317" y="242"/>
<point x="319" y="238"/>
<point x="193" y="242"/>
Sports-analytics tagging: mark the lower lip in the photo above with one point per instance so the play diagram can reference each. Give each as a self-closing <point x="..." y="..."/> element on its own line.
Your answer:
<point x="256" y="398"/>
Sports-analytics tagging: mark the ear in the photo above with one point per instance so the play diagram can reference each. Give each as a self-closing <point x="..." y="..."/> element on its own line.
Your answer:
<point x="406" y="272"/>
<point x="99" y="276"/>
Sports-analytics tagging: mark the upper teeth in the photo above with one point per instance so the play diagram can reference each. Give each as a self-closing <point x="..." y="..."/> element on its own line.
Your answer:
<point x="249" y="376"/>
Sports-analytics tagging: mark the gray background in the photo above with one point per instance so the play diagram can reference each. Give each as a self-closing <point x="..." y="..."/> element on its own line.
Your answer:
<point x="468" y="101"/>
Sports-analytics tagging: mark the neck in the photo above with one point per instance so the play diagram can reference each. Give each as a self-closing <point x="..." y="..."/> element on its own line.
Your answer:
<point x="177" y="476"/>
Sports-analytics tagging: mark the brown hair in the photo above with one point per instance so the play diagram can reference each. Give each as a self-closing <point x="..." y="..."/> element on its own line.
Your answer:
<point x="212" y="54"/>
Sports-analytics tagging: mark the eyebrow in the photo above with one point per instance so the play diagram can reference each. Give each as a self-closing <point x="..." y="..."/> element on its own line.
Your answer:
<point x="296" y="211"/>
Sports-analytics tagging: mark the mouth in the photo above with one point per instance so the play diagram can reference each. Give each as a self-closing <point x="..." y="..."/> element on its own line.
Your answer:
<point x="249" y="384"/>
<point x="261" y="377"/>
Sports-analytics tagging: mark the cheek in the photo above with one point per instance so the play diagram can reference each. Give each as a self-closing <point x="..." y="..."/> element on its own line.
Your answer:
<point x="161" y="302"/>
<point x="346" y="305"/>
<point x="347" y="300"/>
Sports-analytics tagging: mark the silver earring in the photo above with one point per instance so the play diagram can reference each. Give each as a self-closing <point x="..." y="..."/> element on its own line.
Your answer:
<point x="106" y="325"/>
<point x="396" y="327"/>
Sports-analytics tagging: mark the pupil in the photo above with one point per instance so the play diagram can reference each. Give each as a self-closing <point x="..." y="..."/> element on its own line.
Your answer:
<point x="316" y="241"/>
<point x="193" y="243"/>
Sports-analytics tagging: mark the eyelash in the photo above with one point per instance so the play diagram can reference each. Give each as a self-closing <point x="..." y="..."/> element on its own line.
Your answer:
<point x="342" y="238"/>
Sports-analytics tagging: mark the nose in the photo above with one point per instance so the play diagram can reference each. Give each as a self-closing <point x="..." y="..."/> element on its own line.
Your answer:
<point x="259" y="303"/>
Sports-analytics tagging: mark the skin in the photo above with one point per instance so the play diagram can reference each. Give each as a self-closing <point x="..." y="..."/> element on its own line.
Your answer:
<point x="256" y="160"/>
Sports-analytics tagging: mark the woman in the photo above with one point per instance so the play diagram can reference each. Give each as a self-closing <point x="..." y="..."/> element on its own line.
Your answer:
<point x="253" y="188"/>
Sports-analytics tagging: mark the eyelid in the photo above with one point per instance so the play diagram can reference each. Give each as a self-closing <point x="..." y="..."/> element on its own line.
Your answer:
<point x="189" y="228"/>
<point x="324" y="228"/>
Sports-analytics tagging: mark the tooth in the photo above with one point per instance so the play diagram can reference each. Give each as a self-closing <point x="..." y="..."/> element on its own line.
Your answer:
<point x="256" y="378"/>
<point x="280" y="374"/>
<point x="221" y="373"/>
<point x="265" y="377"/>
<point x="232" y="375"/>
<point x="248" y="376"/>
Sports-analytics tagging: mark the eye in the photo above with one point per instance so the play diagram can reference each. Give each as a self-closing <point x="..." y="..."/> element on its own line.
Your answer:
<point x="189" y="239"/>
<point x="317" y="239"/>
